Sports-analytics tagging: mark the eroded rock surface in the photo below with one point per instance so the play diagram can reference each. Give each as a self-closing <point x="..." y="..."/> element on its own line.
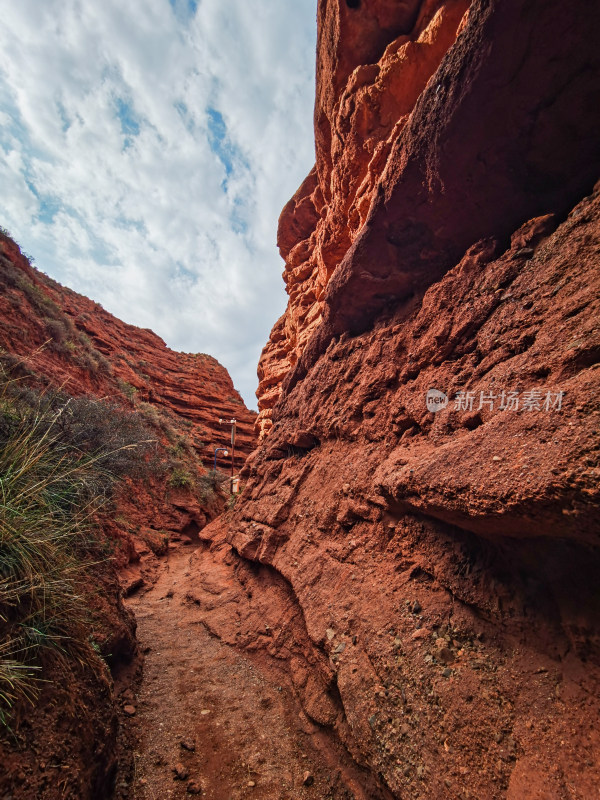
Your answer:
<point x="440" y="614"/>
<point x="430" y="143"/>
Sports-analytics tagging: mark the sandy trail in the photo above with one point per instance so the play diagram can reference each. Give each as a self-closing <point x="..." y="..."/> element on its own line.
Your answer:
<point x="228" y="705"/>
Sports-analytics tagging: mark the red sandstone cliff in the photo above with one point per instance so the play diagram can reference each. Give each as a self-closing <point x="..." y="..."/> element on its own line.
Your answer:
<point x="428" y="579"/>
<point x="423" y="148"/>
<point x="373" y="62"/>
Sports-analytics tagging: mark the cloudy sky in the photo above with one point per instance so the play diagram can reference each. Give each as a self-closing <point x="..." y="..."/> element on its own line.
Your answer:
<point x="146" y="150"/>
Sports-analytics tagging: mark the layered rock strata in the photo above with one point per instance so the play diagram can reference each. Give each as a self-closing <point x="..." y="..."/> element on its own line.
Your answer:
<point x="462" y="127"/>
<point x="75" y="343"/>
<point x="55" y="339"/>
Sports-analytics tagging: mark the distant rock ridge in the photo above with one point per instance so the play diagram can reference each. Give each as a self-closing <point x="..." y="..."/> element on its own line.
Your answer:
<point x="54" y="339"/>
<point x="73" y="342"/>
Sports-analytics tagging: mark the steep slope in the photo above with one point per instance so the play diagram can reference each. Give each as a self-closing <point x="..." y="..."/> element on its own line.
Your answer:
<point x="428" y="573"/>
<point x="91" y="351"/>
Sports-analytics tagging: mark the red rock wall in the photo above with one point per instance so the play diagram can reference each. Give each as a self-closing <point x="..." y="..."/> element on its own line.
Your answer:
<point x="424" y="152"/>
<point x="430" y="579"/>
<point x="372" y="64"/>
<point x="441" y="569"/>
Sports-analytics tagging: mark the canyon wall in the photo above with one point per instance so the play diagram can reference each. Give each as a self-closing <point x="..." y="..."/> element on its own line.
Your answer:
<point x="422" y="149"/>
<point x="427" y="571"/>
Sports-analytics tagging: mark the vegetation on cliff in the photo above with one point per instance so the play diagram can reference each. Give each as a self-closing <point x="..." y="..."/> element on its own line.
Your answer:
<point x="60" y="459"/>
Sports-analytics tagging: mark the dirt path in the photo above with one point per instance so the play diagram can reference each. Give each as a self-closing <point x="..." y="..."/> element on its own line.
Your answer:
<point x="216" y="714"/>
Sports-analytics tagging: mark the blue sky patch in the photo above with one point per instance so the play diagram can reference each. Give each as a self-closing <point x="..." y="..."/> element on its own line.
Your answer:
<point x="184" y="9"/>
<point x="217" y="139"/>
<point x="49" y="207"/>
<point x="129" y="124"/>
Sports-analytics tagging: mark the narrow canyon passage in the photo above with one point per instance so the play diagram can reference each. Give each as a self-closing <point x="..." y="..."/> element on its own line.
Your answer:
<point x="213" y="720"/>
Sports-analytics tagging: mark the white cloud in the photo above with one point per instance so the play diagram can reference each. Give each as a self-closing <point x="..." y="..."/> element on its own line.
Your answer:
<point x="145" y="156"/>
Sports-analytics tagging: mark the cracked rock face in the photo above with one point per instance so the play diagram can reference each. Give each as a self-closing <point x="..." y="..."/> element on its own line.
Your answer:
<point x="437" y="564"/>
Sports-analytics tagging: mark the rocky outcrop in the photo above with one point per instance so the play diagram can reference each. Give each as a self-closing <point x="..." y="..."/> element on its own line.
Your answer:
<point x="422" y="150"/>
<point x="418" y="540"/>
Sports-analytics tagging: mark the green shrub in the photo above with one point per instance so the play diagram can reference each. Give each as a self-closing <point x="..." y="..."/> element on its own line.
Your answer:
<point x="149" y="413"/>
<point x="128" y="390"/>
<point x="210" y="484"/>
<point x="46" y="507"/>
<point x="120" y="440"/>
<point x="59" y="460"/>
<point x="179" y="478"/>
<point x="60" y="332"/>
